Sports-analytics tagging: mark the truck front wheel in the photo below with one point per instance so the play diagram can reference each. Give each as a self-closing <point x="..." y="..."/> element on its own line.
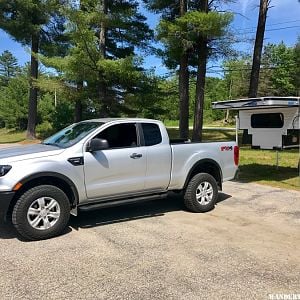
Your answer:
<point x="41" y="212"/>
<point x="201" y="193"/>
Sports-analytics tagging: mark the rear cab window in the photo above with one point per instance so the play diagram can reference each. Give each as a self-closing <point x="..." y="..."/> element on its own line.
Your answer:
<point x="152" y="134"/>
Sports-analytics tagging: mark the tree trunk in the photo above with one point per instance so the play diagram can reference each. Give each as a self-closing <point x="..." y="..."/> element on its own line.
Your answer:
<point x="33" y="93"/>
<point x="200" y="83"/>
<point x="259" y="40"/>
<point x="78" y="111"/>
<point x="105" y="106"/>
<point x="102" y="33"/>
<point x="78" y="103"/>
<point x="200" y="87"/>
<point x="183" y="86"/>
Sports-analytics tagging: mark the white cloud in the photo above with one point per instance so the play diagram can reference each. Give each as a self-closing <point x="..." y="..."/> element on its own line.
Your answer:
<point x="245" y="4"/>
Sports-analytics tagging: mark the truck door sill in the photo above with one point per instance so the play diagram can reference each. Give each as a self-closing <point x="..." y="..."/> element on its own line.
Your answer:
<point x="111" y="203"/>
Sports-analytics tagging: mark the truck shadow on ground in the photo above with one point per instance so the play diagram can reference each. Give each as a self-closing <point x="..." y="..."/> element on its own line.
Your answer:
<point x="7" y="231"/>
<point x="131" y="212"/>
<point x="107" y="216"/>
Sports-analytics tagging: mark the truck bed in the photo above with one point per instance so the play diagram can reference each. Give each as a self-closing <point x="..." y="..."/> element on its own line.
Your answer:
<point x="186" y="154"/>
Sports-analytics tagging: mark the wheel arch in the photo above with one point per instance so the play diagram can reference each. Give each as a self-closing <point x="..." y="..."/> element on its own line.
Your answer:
<point x="208" y="166"/>
<point x="48" y="178"/>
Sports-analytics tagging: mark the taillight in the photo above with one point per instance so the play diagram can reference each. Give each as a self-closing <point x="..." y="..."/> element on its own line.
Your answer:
<point x="236" y="154"/>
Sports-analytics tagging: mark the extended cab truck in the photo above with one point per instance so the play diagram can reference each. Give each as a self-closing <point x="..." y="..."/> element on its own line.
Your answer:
<point x="107" y="162"/>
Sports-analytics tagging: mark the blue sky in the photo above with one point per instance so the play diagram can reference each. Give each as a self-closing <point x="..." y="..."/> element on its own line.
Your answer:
<point x="283" y="24"/>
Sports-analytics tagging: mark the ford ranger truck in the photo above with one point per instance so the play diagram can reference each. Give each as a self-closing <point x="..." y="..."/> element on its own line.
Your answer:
<point x="107" y="162"/>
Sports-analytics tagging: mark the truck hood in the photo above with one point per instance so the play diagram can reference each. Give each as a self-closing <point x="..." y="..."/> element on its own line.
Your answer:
<point x="28" y="152"/>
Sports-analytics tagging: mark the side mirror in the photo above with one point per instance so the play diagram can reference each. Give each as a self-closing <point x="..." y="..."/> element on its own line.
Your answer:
<point x="97" y="144"/>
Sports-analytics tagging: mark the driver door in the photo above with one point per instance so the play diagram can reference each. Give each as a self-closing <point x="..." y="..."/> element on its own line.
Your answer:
<point x="119" y="170"/>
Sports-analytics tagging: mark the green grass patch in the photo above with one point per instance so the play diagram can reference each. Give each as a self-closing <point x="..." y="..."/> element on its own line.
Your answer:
<point x="260" y="166"/>
<point x="11" y="136"/>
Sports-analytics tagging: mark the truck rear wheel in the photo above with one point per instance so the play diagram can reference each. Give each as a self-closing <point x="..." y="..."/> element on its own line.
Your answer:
<point x="201" y="193"/>
<point x="41" y="213"/>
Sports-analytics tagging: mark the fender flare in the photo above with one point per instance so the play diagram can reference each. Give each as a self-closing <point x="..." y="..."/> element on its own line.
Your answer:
<point x="60" y="176"/>
<point x="204" y="161"/>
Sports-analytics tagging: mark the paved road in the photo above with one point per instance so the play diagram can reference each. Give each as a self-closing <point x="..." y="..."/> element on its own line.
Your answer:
<point x="246" y="248"/>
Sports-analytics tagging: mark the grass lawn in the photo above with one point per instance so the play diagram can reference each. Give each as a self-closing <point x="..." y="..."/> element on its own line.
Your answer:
<point x="11" y="136"/>
<point x="260" y="166"/>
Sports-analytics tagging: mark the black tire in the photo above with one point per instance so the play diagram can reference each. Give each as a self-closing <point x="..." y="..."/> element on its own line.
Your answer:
<point x="190" y="199"/>
<point x="29" y="198"/>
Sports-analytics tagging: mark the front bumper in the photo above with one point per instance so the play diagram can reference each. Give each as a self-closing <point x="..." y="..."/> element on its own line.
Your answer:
<point x="5" y="200"/>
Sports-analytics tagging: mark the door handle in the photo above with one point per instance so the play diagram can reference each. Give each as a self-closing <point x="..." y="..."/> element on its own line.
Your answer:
<point x="135" y="155"/>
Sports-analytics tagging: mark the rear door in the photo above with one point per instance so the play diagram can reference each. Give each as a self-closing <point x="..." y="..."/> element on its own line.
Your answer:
<point x="119" y="170"/>
<point x="158" y="158"/>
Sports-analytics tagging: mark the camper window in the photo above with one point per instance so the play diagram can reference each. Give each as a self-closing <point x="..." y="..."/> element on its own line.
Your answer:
<point x="271" y="120"/>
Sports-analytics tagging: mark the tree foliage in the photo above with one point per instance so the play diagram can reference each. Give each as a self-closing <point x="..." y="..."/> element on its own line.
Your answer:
<point x="281" y="64"/>
<point x="196" y="34"/>
<point x="279" y="74"/>
<point x="40" y="25"/>
<point x="95" y="50"/>
<point x="8" y="67"/>
<point x="111" y="72"/>
<point x="24" y="18"/>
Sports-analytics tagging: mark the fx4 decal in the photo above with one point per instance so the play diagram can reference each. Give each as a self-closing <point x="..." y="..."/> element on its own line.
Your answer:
<point x="226" y="148"/>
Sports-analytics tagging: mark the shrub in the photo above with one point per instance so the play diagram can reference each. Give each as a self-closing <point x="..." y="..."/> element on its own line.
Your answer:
<point x="44" y="130"/>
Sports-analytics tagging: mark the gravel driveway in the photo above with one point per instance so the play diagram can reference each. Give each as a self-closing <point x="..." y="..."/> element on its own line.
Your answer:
<point x="247" y="248"/>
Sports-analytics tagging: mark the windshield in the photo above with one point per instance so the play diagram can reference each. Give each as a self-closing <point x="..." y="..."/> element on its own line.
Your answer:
<point x="72" y="134"/>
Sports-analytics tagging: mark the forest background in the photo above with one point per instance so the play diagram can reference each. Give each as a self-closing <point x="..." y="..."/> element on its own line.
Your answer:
<point x="162" y="59"/>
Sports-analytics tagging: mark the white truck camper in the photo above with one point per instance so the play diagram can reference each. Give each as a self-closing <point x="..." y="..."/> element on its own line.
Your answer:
<point x="267" y="122"/>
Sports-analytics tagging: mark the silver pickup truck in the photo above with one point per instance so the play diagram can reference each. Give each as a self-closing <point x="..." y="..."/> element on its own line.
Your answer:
<point x="107" y="162"/>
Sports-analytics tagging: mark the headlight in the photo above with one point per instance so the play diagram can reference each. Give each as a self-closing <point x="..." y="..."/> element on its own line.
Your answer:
<point x="4" y="170"/>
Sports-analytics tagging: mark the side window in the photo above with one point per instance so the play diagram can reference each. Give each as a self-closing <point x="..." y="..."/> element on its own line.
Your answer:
<point x="152" y="134"/>
<point x="271" y="120"/>
<point x="120" y="135"/>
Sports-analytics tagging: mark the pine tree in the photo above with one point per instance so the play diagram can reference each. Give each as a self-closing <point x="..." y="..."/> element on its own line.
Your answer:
<point x="36" y="24"/>
<point x="8" y="67"/>
<point x="103" y="61"/>
<point x="207" y="27"/>
<point x="184" y="83"/>
<point x="197" y="33"/>
<point x="176" y="53"/>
